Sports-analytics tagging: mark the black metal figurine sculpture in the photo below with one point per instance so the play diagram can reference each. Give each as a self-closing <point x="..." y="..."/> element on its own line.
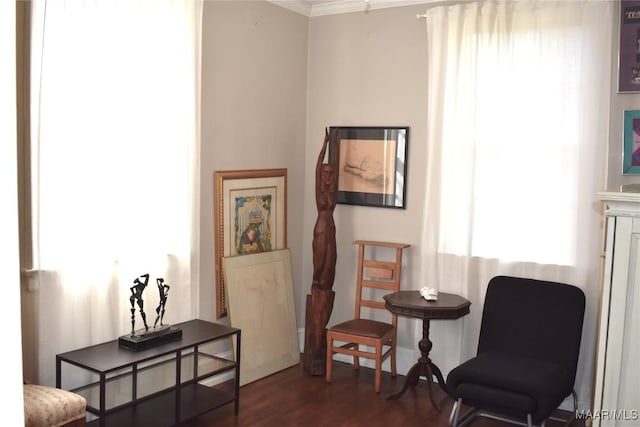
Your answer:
<point x="158" y="334"/>
<point x="163" y="290"/>
<point x="136" y="297"/>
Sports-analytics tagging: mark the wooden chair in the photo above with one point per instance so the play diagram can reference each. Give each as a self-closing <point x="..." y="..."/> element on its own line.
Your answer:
<point x="378" y="336"/>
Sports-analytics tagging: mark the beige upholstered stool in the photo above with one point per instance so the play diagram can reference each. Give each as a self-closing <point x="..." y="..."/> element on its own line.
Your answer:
<point x="49" y="407"/>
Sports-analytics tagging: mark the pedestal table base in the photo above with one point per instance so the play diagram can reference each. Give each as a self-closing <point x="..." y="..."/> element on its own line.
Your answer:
<point x="424" y="367"/>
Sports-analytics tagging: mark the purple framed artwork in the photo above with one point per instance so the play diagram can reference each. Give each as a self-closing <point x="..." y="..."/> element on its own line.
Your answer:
<point x="629" y="53"/>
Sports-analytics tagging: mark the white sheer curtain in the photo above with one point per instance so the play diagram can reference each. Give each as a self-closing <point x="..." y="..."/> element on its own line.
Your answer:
<point x="518" y="102"/>
<point x="115" y="140"/>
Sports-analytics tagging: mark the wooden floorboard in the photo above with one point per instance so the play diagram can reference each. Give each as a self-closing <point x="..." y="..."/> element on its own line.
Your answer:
<point x="294" y="398"/>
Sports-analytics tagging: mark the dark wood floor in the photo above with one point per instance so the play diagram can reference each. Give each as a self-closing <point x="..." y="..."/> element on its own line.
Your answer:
<point x="293" y="398"/>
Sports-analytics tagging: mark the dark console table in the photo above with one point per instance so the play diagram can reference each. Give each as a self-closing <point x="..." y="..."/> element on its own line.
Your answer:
<point x="159" y="386"/>
<point x="412" y="304"/>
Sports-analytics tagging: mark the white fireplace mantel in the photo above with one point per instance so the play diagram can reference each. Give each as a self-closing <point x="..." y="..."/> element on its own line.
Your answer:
<point x="618" y="352"/>
<point x="620" y="203"/>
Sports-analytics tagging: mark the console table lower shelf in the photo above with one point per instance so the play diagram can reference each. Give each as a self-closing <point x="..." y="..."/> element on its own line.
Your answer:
<point x="195" y="400"/>
<point x="159" y="386"/>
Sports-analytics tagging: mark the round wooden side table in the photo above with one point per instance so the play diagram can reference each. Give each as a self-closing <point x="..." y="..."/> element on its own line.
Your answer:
<point x="412" y="304"/>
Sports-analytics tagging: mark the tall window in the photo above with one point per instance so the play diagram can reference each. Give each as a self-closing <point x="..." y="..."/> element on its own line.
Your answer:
<point x="519" y="121"/>
<point x="518" y="108"/>
<point x="115" y="89"/>
<point x="513" y="138"/>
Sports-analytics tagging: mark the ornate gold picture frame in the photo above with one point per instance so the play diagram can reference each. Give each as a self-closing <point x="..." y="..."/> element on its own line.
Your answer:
<point x="250" y="215"/>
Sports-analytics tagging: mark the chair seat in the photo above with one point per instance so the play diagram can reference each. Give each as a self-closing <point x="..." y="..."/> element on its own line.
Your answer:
<point x="363" y="327"/>
<point x="49" y="406"/>
<point x="521" y="385"/>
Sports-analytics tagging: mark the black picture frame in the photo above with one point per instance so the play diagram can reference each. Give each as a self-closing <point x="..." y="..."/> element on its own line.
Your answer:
<point x="372" y="164"/>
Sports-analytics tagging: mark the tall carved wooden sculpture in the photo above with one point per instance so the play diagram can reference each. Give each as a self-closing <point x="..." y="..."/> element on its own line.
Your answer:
<point x="320" y="302"/>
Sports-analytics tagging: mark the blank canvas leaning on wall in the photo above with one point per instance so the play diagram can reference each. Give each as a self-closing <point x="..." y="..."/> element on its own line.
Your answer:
<point x="261" y="304"/>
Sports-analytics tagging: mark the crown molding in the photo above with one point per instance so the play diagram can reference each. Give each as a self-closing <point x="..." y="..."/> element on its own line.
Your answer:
<point x="297" y="6"/>
<point x="342" y="6"/>
<point x="347" y="6"/>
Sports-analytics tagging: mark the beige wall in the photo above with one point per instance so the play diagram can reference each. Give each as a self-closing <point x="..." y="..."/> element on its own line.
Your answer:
<point x="254" y="68"/>
<point x="272" y="81"/>
<point x="368" y="69"/>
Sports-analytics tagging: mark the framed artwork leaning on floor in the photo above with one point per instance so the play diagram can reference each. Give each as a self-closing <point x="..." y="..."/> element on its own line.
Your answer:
<point x="261" y="304"/>
<point x="250" y="215"/>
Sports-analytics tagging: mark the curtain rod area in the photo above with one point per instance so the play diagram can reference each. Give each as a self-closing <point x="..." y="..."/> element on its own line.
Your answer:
<point x="435" y="3"/>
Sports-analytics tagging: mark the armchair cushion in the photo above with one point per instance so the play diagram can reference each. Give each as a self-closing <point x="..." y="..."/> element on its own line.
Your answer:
<point x="521" y="385"/>
<point x="48" y="406"/>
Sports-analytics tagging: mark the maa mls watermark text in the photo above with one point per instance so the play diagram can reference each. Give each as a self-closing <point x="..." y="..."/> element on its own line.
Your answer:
<point x="609" y="414"/>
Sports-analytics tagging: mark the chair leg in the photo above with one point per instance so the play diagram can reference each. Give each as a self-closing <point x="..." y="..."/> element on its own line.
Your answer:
<point x="329" y="367"/>
<point x="529" y="423"/>
<point x="393" y="358"/>
<point x="453" y="417"/>
<point x="458" y="420"/>
<point x="378" y="373"/>
<point x="356" y="359"/>
<point x="571" y="419"/>
<point x="568" y="421"/>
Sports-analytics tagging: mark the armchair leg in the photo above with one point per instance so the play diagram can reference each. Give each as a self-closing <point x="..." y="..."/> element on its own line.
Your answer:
<point x="568" y="421"/>
<point x="453" y="417"/>
<point x="455" y="420"/>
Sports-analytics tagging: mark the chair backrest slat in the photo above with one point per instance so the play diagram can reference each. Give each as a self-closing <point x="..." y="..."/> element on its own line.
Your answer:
<point x="377" y="274"/>
<point x="379" y="285"/>
<point x="372" y="304"/>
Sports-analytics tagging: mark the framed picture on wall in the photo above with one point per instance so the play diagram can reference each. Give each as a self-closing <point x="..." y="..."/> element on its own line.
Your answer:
<point x="629" y="48"/>
<point x="250" y="217"/>
<point x="631" y="145"/>
<point x="372" y="165"/>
